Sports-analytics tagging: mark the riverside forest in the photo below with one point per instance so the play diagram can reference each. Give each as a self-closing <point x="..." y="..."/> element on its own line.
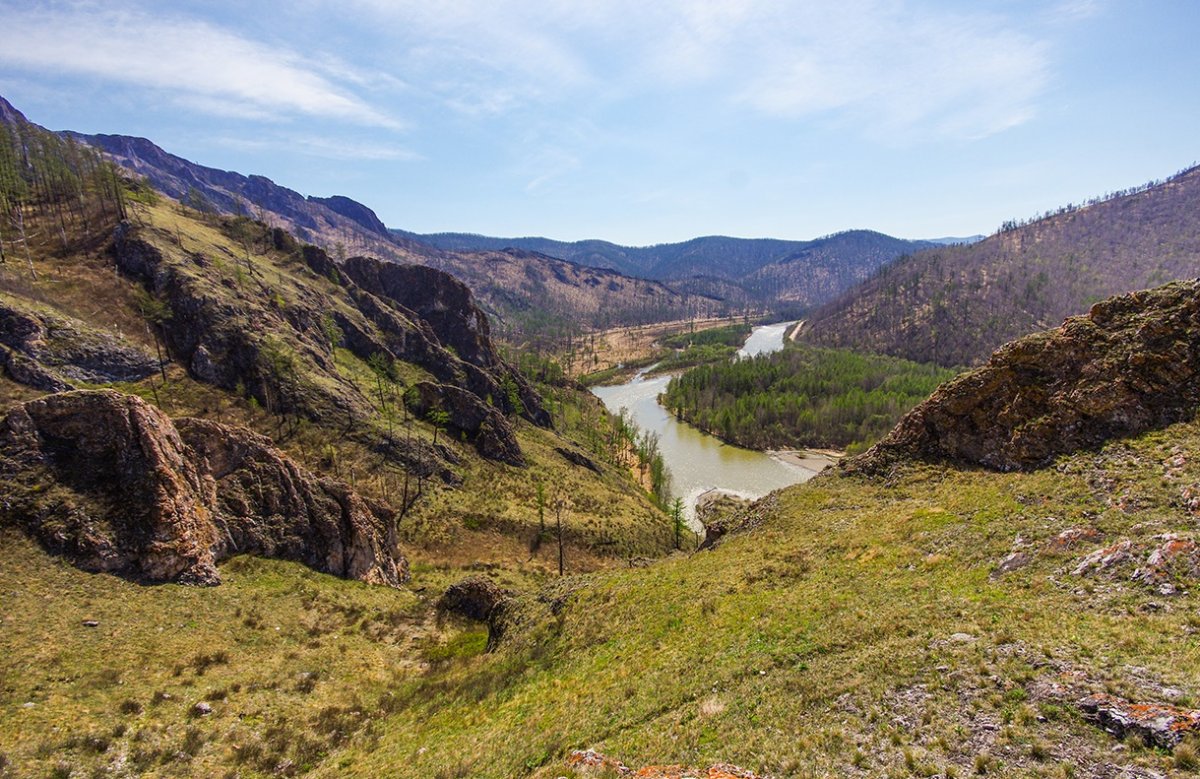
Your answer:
<point x="326" y="485"/>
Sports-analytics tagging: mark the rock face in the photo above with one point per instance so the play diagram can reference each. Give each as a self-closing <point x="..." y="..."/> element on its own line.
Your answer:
<point x="264" y="503"/>
<point x="113" y="484"/>
<point x="467" y="417"/>
<point x="448" y="306"/>
<point x="1131" y="364"/>
<point x="48" y="351"/>
<point x="275" y="345"/>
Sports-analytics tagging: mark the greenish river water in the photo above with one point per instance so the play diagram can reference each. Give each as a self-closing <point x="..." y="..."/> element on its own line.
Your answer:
<point x="699" y="462"/>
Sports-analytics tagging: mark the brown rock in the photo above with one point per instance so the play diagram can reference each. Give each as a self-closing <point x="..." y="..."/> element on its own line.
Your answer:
<point x="110" y="482"/>
<point x="1071" y="538"/>
<point x="1131" y="364"/>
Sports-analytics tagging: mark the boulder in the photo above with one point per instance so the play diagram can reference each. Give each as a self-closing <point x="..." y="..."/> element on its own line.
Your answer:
<point x="113" y="484"/>
<point x="474" y="598"/>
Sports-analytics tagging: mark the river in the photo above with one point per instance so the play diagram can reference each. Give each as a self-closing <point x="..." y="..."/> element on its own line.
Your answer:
<point x="699" y="462"/>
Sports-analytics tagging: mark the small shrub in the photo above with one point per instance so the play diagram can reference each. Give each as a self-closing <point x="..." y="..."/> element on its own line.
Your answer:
<point x="1186" y="756"/>
<point x="130" y="706"/>
<point x="193" y="740"/>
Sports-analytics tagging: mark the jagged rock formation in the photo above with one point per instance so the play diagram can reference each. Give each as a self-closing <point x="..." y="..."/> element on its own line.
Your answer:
<point x="468" y="417"/>
<point x="113" y="484"/>
<point x="1131" y="364"/>
<point x="50" y="351"/>
<point x="271" y="338"/>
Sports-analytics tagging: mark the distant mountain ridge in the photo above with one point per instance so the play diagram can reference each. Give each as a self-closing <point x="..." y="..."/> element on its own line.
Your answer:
<point x="954" y="305"/>
<point x="712" y="256"/>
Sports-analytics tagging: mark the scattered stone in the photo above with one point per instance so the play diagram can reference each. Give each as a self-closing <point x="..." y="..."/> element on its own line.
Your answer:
<point x="474" y="597"/>
<point x="1012" y="562"/>
<point x="1174" y="558"/>
<point x="1072" y="537"/>
<point x="1159" y="725"/>
<point x="1105" y="558"/>
<point x="594" y="763"/>
<point x="202" y="709"/>
<point x="90" y="623"/>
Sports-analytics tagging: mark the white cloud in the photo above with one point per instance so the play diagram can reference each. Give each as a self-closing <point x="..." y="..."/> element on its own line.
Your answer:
<point x="339" y="148"/>
<point x="199" y="64"/>
<point x="888" y="66"/>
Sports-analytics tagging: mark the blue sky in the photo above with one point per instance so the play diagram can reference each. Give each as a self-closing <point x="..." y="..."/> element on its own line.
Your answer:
<point x="632" y="121"/>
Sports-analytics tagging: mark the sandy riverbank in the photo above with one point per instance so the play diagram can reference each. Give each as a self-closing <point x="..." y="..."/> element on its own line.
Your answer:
<point x="815" y="460"/>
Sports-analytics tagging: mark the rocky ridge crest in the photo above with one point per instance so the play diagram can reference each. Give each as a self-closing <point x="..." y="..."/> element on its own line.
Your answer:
<point x="1131" y="364"/>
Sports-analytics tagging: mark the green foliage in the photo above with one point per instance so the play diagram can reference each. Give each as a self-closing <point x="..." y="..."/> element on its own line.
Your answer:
<point x="802" y="396"/>
<point x="730" y="335"/>
<point x="329" y="328"/>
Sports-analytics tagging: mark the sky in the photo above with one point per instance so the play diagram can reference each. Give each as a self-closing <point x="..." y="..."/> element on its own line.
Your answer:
<point x="637" y="122"/>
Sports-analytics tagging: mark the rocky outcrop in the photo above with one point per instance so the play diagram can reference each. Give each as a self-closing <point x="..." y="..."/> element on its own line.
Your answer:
<point x="113" y="484"/>
<point x="49" y="351"/>
<point x="273" y="338"/>
<point x="354" y="211"/>
<point x="263" y="503"/>
<point x="1131" y="364"/>
<point x="448" y="306"/>
<point x="470" y="419"/>
<point x="241" y="339"/>
<point x="1158" y="725"/>
<point x="474" y="598"/>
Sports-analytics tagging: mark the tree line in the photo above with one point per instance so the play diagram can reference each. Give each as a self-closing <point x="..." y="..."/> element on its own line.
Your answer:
<point x="802" y="397"/>
<point x="66" y="187"/>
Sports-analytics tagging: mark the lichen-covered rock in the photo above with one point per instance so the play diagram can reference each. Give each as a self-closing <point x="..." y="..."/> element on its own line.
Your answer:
<point x="1158" y="724"/>
<point x="1131" y="364"/>
<point x="1105" y="559"/>
<point x="474" y="597"/>
<point x="113" y="484"/>
<point x="1175" y="559"/>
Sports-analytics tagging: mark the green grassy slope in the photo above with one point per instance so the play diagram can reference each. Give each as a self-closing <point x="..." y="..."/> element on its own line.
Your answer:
<point x="859" y="630"/>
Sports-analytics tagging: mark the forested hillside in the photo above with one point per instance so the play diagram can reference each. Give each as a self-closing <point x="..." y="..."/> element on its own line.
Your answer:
<point x="802" y="397"/>
<point x="954" y="305"/>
